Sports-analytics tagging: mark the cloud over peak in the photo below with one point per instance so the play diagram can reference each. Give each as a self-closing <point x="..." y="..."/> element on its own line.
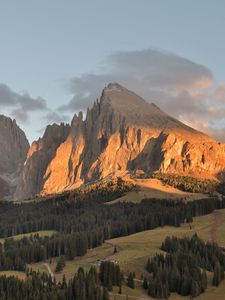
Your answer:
<point x="181" y="87"/>
<point x="184" y="89"/>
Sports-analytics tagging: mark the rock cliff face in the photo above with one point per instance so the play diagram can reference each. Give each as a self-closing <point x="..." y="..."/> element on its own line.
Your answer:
<point x="121" y="133"/>
<point x="13" y="150"/>
<point x="39" y="156"/>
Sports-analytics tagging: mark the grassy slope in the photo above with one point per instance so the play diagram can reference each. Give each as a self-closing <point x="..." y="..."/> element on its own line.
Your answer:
<point x="134" y="250"/>
<point x="42" y="233"/>
<point x="153" y="188"/>
<point x="20" y="275"/>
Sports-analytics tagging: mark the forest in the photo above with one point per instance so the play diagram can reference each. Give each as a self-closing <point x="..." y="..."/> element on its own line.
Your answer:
<point x="83" y="221"/>
<point x="183" y="268"/>
<point x="66" y="214"/>
<point x="89" y="285"/>
<point x="86" y="224"/>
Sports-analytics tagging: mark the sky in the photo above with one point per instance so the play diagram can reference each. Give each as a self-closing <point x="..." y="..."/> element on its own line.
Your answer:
<point x="57" y="56"/>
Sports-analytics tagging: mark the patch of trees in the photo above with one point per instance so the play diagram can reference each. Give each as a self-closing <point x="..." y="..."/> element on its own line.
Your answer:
<point x="221" y="188"/>
<point x="61" y="263"/>
<point x="208" y="254"/>
<point x="37" y="286"/>
<point x="110" y="275"/>
<point x="183" y="268"/>
<point x="189" y="184"/>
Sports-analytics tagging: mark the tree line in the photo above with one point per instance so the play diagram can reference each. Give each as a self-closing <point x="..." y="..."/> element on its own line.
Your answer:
<point x="72" y="215"/>
<point x="16" y="254"/>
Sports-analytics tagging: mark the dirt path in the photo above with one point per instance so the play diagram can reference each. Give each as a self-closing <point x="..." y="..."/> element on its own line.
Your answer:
<point x="135" y="279"/>
<point x="49" y="270"/>
<point x="213" y="232"/>
<point x="123" y="296"/>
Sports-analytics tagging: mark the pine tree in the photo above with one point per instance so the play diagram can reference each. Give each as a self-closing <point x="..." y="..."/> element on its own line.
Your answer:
<point x="120" y="289"/>
<point x="115" y="250"/>
<point x="60" y="264"/>
<point x="195" y="289"/>
<point x="204" y="281"/>
<point x="110" y="284"/>
<point x="145" y="284"/>
<point x="105" y="294"/>
<point x="64" y="283"/>
<point x="130" y="281"/>
<point x="185" y="286"/>
<point x="217" y="274"/>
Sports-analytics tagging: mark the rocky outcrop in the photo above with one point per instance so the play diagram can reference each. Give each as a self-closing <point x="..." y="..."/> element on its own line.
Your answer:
<point x="13" y="150"/>
<point x="123" y="133"/>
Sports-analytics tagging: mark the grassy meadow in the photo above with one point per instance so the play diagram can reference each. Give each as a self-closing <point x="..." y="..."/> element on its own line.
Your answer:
<point x="134" y="250"/>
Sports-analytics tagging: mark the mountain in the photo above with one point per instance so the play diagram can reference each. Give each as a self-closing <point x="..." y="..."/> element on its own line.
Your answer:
<point x="13" y="150"/>
<point x="38" y="158"/>
<point x="121" y="133"/>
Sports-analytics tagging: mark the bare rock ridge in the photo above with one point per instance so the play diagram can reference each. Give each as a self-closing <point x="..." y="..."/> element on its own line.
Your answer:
<point x="13" y="150"/>
<point x="121" y="133"/>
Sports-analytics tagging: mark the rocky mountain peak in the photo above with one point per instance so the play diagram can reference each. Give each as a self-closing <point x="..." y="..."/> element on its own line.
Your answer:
<point x="114" y="86"/>
<point x="77" y="119"/>
<point x="14" y="144"/>
<point x="54" y="133"/>
<point x="118" y="96"/>
<point x="132" y="110"/>
<point x="39" y="156"/>
<point x="13" y="150"/>
<point x="121" y="133"/>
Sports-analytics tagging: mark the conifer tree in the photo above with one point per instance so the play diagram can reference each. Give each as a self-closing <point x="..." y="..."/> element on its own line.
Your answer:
<point x="105" y="294"/>
<point x="120" y="289"/>
<point x="145" y="283"/>
<point x="130" y="280"/>
<point x="204" y="281"/>
<point x="195" y="289"/>
<point x="217" y="274"/>
<point x="60" y="264"/>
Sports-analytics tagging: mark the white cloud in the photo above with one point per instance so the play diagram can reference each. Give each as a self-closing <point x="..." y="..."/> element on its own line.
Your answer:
<point x="182" y="88"/>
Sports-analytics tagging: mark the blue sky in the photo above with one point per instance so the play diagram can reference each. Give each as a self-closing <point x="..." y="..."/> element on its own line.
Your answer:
<point x="47" y="48"/>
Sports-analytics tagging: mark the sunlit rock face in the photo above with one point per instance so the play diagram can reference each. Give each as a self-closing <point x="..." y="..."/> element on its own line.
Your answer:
<point x="122" y="132"/>
<point x="39" y="156"/>
<point x="13" y="150"/>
